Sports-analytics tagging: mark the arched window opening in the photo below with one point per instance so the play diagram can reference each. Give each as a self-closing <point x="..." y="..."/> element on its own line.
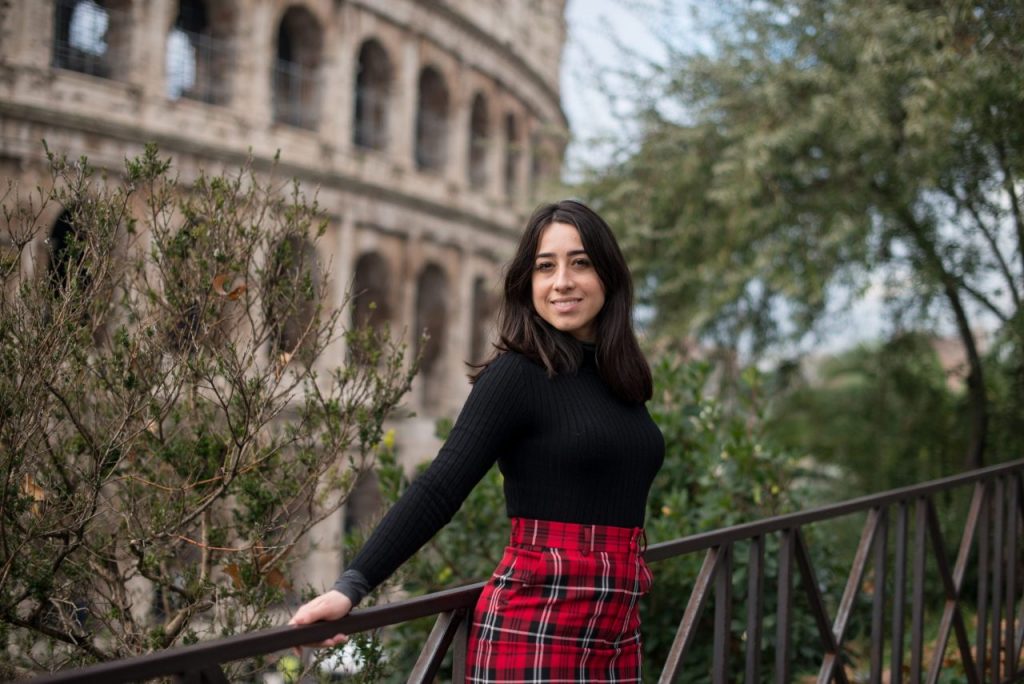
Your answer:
<point x="198" y="56"/>
<point x="484" y="308"/>
<point x="371" y="303"/>
<point x="364" y="503"/>
<point x="373" y="92"/>
<point x="513" y="152"/>
<point x="297" y="69"/>
<point x="90" y="36"/>
<point x="478" y="142"/>
<point x="431" y="121"/>
<point x="432" y="317"/>
<point x="70" y="276"/>
<point x="290" y="298"/>
<point x="66" y="253"/>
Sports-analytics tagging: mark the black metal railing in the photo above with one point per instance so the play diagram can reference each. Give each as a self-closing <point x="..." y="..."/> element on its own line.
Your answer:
<point x="907" y="518"/>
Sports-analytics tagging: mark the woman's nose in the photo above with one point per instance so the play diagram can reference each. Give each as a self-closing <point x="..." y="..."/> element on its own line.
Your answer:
<point x="563" y="279"/>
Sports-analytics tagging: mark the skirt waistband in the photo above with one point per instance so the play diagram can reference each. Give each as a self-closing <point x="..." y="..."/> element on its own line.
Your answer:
<point x="577" y="537"/>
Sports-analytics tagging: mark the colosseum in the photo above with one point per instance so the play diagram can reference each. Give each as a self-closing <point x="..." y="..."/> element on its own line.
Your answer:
<point x="429" y="127"/>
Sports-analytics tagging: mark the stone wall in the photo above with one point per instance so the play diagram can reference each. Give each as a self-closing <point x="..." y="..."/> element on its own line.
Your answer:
<point x="430" y="128"/>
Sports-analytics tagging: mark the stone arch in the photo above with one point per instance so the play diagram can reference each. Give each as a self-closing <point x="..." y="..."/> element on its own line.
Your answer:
<point x="69" y="276"/>
<point x="198" y="59"/>
<point x="364" y="502"/>
<point x="485" y="306"/>
<point x="64" y="253"/>
<point x="431" y="120"/>
<point x="432" y="317"/>
<point x="371" y="304"/>
<point x="91" y="36"/>
<point x="478" y="142"/>
<point x="297" y="64"/>
<point x="372" y="96"/>
<point x="545" y="160"/>
<point x="291" y="297"/>
<point x="513" y="153"/>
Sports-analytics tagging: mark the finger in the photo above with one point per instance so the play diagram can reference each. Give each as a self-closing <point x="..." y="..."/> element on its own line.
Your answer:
<point x="305" y="615"/>
<point x="335" y="640"/>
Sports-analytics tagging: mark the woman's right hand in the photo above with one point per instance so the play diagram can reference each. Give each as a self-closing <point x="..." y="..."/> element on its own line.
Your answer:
<point x="331" y="605"/>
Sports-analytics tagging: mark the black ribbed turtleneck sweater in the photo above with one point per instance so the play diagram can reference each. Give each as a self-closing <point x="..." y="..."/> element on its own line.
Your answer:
<point x="569" y="450"/>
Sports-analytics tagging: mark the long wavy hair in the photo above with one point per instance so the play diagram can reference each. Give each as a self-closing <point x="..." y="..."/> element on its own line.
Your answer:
<point x="620" y="362"/>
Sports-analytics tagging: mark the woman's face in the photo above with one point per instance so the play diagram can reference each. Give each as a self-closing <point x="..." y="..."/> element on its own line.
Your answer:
<point x="567" y="293"/>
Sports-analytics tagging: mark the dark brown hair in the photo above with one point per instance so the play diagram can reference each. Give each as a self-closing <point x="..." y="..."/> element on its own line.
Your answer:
<point x="521" y="329"/>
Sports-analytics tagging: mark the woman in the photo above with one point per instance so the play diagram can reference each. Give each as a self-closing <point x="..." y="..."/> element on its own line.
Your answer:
<point x="560" y="407"/>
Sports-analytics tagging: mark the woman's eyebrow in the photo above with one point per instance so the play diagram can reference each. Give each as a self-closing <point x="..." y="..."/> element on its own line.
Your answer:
<point x="548" y="255"/>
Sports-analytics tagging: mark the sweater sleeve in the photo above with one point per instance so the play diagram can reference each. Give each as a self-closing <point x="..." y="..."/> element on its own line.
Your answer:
<point x="488" y="424"/>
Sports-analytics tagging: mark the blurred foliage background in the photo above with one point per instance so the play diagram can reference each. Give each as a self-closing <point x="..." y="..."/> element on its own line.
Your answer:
<point x="807" y="155"/>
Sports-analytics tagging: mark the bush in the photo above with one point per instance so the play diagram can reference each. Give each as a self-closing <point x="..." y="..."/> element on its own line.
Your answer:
<point x="170" y="426"/>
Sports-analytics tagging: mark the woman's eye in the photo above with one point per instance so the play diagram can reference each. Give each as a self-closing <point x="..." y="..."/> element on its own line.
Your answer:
<point x="581" y="263"/>
<point x="544" y="266"/>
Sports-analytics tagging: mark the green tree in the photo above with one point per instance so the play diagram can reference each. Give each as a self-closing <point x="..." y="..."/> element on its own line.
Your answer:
<point x="883" y="414"/>
<point x="169" y="426"/>
<point x="819" y="144"/>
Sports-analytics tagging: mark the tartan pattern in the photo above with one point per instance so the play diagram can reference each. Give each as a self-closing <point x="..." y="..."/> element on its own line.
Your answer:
<point x="562" y="606"/>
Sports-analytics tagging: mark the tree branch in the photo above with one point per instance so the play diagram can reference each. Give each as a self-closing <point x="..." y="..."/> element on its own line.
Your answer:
<point x="1004" y="267"/>
<point x="82" y="641"/>
<point x="1008" y="184"/>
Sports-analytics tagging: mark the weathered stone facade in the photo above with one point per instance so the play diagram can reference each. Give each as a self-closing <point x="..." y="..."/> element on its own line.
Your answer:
<point x="427" y="125"/>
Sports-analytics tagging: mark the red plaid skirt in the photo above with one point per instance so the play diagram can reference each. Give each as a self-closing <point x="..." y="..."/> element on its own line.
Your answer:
<point x="562" y="606"/>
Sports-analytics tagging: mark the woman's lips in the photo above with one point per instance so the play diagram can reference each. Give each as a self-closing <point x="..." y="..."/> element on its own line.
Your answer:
<point x="565" y="305"/>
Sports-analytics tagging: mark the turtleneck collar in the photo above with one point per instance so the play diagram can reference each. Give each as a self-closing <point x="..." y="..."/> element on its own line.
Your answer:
<point x="589" y="354"/>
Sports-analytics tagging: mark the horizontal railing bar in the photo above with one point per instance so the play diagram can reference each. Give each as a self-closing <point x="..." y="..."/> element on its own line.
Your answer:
<point x="197" y="656"/>
<point x="728" y="535"/>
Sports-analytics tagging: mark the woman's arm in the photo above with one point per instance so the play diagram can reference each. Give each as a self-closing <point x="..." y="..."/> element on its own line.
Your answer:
<point x="490" y="421"/>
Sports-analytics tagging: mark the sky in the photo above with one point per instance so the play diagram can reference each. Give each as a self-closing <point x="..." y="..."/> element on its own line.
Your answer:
<point x="597" y="29"/>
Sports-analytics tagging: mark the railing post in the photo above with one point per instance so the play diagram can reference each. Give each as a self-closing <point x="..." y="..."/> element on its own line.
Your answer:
<point x="785" y="604"/>
<point x="917" y="601"/>
<point x="1012" y="528"/>
<point x="460" y="647"/>
<point x="998" y="553"/>
<point x="899" y="599"/>
<point x="755" y="604"/>
<point x="723" y="618"/>
<point x="878" y="600"/>
<point x="952" y="580"/>
<point x="688" y="625"/>
<point x="445" y="629"/>
<point x="984" y="529"/>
